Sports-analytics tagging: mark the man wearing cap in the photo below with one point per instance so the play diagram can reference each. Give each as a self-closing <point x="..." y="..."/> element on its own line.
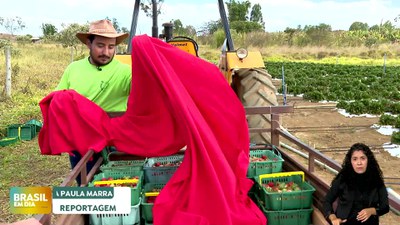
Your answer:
<point x="99" y="77"/>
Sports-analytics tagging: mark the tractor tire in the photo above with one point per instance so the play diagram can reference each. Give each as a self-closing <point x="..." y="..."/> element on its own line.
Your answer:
<point x="254" y="87"/>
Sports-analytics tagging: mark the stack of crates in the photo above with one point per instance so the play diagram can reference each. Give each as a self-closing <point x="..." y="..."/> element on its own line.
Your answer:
<point x="157" y="172"/>
<point x="263" y="160"/>
<point x="129" y="171"/>
<point x="25" y="132"/>
<point x="149" y="193"/>
<point x="285" y="198"/>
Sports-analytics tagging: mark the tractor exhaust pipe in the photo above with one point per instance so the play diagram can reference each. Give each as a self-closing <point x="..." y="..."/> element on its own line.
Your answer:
<point x="168" y="30"/>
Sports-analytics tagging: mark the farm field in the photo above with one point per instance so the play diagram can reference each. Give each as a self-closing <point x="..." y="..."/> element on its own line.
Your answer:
<point x="358" y="89"/>
<point x="38" y="68"/>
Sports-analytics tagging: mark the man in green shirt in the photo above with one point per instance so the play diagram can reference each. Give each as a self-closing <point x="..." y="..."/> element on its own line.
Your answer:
<point x="99" y="77"/>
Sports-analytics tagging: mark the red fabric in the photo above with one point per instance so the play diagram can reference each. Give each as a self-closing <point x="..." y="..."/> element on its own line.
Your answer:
<point x="72" y="122"/>
<point x="176" y="100"/>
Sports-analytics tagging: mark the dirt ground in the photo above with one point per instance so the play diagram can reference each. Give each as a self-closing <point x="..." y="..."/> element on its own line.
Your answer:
<point x="322" y="127"/>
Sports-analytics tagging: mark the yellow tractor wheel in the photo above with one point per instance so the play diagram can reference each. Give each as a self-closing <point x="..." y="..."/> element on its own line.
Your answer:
<point x="254" y="88"/>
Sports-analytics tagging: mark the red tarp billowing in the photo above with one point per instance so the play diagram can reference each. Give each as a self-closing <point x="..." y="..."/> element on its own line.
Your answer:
<point x="176" y="100"/>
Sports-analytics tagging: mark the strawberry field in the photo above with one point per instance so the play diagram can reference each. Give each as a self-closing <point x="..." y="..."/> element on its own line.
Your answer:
<point x="358" y="89"/>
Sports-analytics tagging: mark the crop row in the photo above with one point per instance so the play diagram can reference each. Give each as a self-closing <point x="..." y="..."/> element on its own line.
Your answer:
<point x="358" y="89"/>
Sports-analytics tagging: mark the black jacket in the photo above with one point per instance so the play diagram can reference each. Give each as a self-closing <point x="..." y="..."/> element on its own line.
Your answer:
<point x="378" y="198"/>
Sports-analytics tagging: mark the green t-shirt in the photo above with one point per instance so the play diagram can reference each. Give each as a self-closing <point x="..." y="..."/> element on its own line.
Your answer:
<point x="108" y="86"/>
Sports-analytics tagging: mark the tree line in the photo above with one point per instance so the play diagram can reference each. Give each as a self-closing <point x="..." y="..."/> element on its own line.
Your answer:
<point x="244" y="19"/>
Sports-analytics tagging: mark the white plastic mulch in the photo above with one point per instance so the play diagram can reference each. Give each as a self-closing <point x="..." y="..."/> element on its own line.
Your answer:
<point x="393" y="149"/>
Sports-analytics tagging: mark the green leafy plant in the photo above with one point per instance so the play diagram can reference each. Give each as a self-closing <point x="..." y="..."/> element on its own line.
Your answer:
<point x="356" y="107"/>
<point x="342" y="104"/>
<point x="397" y="122"/>
<point x="386" y="119"/>
<point x="395" y="139"/>
<point x="314" y="96"/>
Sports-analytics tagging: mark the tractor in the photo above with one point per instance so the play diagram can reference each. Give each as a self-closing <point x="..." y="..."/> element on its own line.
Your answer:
<point x="244" y="70"/>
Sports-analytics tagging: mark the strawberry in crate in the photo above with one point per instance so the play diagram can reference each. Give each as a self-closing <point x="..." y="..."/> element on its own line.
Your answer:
<point x="258" y="159"/>
<point x="152" y="195"/>
<point x="281" y="186"/>
<point x="262" y="158"/>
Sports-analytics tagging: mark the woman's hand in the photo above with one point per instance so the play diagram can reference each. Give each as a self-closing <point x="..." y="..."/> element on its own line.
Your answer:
<point x="336" y="221"/>
<point x="364" y="214"/>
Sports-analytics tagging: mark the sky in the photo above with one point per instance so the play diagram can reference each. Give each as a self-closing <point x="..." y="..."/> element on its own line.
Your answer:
<point x="277" y="14"/>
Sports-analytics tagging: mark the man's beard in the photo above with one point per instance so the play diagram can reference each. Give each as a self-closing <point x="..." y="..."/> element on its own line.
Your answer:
<point x="100" y="63"/>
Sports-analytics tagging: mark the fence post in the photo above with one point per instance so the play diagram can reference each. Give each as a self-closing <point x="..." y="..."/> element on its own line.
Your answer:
<point x="7" y="87"/>
<point x="274" y="126"/>
<point x="72" y="54"/>
<point x="283" y="85"/>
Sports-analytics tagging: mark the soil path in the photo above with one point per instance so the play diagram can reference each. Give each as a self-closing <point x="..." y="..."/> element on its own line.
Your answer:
<point x="322" y="127"/>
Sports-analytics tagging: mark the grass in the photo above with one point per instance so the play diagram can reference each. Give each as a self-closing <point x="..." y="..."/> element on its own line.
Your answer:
<point x="36" y="72"/>
<point x="23" y="166"/>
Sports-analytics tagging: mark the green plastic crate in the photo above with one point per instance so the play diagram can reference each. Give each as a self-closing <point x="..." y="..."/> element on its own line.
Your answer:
<point x="147" y="208"/>
<point x="288" y="217"/>
<point x="254" y="190"/>
<point x="38" y="125"/>
<point x="160" y="175"/>
<point x="273" y="164"/>
<point x="106" y="152"/>
<point x="135" y="191"/>
<point x="8" y="141"/>
<point x="285" y="200"/>
<point x="117" y="219"/>
<point x="22" y="131"/>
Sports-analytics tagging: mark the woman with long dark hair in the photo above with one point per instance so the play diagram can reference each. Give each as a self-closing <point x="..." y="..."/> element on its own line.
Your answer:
<point x="359" y="188"/>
